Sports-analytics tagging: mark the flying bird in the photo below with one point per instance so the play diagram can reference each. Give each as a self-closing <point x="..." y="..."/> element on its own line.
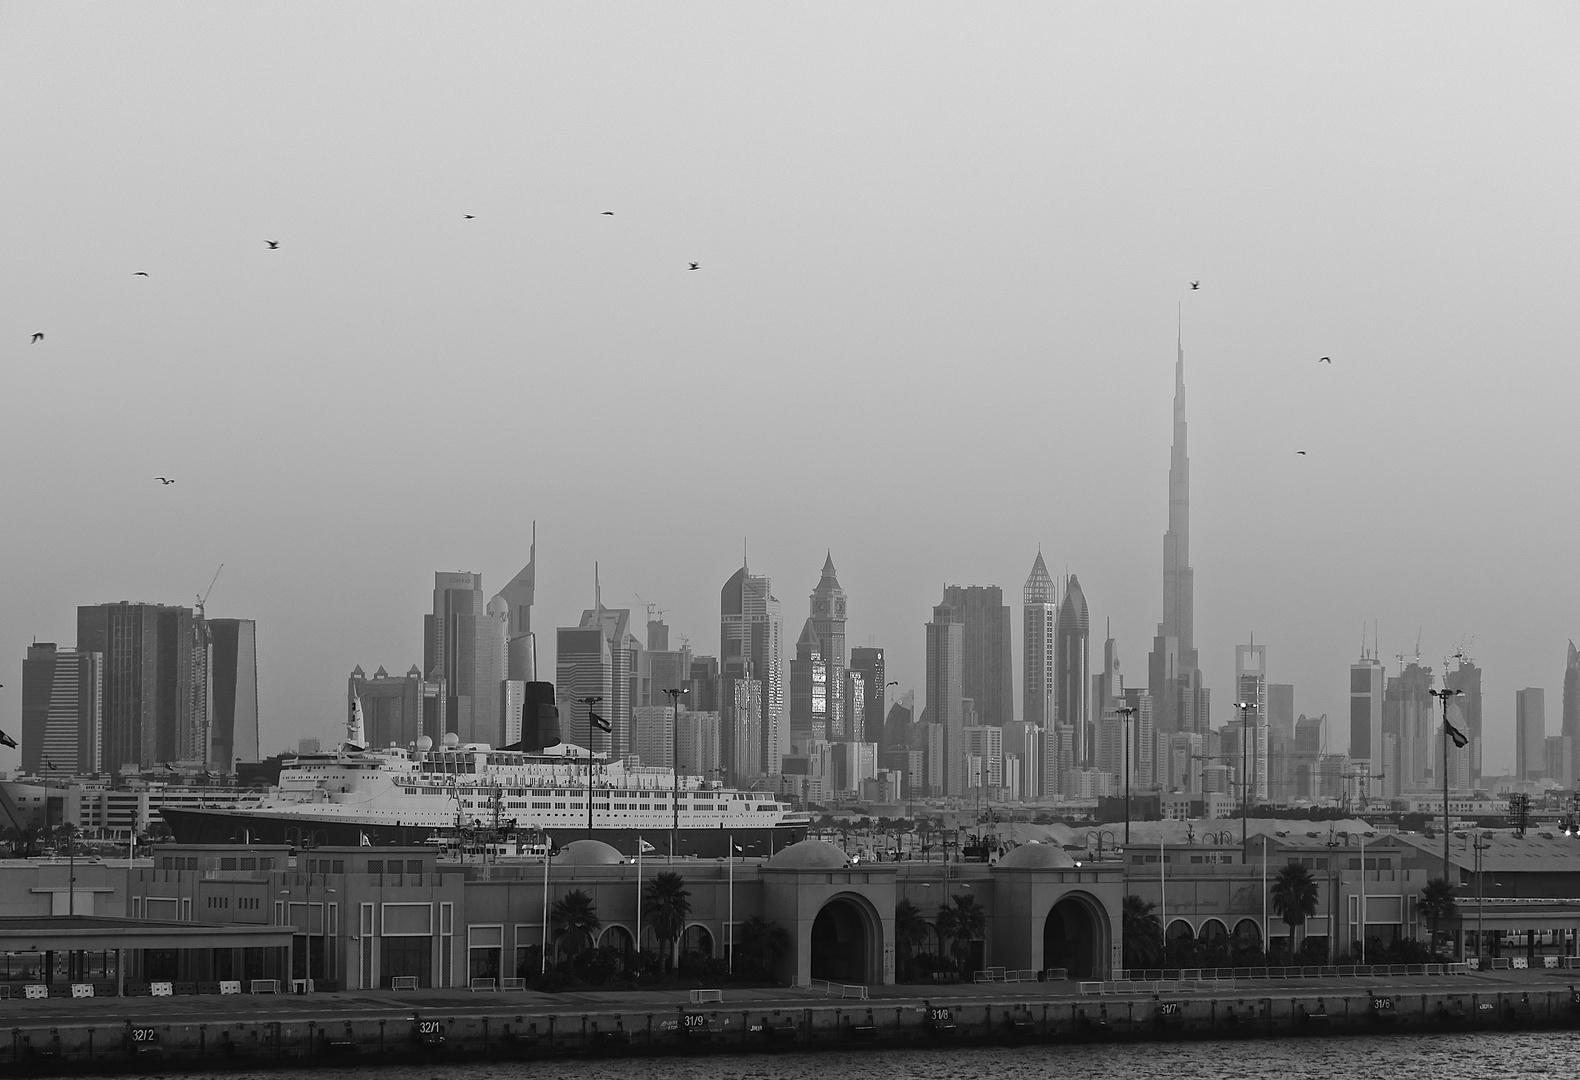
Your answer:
<point x="607" y="213"/>
<point x="1326" y="360"/>
<point x="165" y="481"/>
<point x="1302" y="453"/>
<point x="468" y="217"/>
<point x="140" y="273"/>
<point x="693" y="266"/>
<point x="40" y="337"/>
<point x="1195" y="285"/>
<point x="272" y="244"/>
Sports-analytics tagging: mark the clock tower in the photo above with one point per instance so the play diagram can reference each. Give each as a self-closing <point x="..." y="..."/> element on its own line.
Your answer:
<point x="828" y="624"/>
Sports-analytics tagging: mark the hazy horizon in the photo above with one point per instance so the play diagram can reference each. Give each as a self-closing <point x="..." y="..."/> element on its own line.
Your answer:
<point x="944" y="255"/>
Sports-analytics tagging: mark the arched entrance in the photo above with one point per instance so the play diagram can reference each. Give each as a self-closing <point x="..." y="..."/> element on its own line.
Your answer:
<point x="843" y="939"/>
<point x="1180" y="948"/>
<point x="1073" y="938"/>
<point x="696" y="941"/>
<point x="1214" y="939"/>
<point x="1248" y="935"/>
<point x="616" y="937"/>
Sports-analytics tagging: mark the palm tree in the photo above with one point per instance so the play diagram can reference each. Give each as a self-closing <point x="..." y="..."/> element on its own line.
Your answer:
<point x="910" y="929"/>
<point x="577" y="918"/>
<point x="1143" y="933"/>
<point x="1436" y="904"/>
<point x="667" y="897"/>
<point x="961" y="923"/>
<point x="762" y="944"/>
<point x="1294" y="898"/>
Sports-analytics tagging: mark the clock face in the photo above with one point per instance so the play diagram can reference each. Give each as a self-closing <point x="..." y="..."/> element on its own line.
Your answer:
<point x="839" y="608"/>
<point x="820" y="606"/>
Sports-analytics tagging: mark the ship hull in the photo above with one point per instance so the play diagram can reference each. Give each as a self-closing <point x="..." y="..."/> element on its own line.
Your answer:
<point x="192" y="826"/>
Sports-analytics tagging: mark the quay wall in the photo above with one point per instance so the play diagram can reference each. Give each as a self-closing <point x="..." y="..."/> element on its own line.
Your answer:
<point x="121" y="1045"/>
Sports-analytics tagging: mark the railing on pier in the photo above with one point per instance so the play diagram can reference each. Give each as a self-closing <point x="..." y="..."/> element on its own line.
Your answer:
<point x="832" y="989"/>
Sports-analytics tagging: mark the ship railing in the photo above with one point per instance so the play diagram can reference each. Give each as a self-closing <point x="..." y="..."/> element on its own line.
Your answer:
<point x="840" y="990"/>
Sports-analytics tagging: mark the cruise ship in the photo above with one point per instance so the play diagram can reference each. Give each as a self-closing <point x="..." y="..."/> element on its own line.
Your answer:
<point x="421" y="794"/>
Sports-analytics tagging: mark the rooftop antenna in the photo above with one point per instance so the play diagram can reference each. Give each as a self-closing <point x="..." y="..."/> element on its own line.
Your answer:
<point x="597" y="594"/>
<point x="1418" y="630"/>
<point x="745" y="565"/>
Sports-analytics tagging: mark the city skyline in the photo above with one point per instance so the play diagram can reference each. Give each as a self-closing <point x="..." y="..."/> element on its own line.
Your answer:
<point x="955" y="259"/>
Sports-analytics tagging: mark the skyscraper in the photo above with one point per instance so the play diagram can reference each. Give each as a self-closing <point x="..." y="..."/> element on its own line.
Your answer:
<point x="828" y="625"/>
<point x="583" y="669"/>
<point x="464" y="643"/>
<point x="62" y="711"/>
<point x="1173" y="673"/>
<point x="156" y="688"/>
<point x="520" y="665"/>
<point x="1571" y="707"/>
<point x="1366" y="723"/>
<point x="1466" y="678"/>
<point x="625" y="665"/>
<point x="397" y="709"/>
<point x="1530" y="733"/>
<point x="989" y="680"/>
<point x="869" y="662"/>
<point x="1041" y="599"/>
<point x="946" y="700"/>
<point x="233" y="677"/>
<point x="1280" y="742"/>
<point x="809" y="692"/>
<point x="751" y="647"/>
<point x="1250" y="684"/>
<point x="1412" y="742"/>
<point x="1073" y="669"/>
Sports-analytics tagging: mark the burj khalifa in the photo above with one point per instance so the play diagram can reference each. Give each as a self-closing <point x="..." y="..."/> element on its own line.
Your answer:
<point x="1179" y="701"/>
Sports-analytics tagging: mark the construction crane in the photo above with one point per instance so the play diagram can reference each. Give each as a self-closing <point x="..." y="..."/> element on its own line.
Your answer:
<point x="203" y="597"/>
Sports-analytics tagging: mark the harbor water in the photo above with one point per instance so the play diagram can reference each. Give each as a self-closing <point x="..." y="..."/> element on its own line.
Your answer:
<point x="1468" y="1056"/>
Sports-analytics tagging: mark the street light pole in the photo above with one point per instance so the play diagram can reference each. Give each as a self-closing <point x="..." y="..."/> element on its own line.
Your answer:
<point x="1127" y="711"/>
<point x="1445" y="695"/>
<point x="1245" y="787"/>
<point x="674" y="760"/>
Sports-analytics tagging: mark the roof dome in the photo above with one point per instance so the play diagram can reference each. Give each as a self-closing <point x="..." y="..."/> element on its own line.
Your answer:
<point x="1036" y="857"/>
<point x="589" y="853"/>
<point x="810" y="855"/>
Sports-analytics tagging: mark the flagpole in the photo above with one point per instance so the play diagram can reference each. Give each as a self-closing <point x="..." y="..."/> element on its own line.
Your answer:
<point x="729" y="929"/>
<point x="1444" y="695"/>
<point x="548" y="845"/>
<point x="638" y="894"/>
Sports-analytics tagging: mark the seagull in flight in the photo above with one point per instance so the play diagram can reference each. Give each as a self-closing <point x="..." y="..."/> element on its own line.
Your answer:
<point x="40" y="337"/>
<point x="272" y="244"/>
<point x="693" y="266"/>
<point x="607" y="213"/>
<point x="468" y="217"/>
<point x="1195" y="285"/>
<point x="1302" y="453"/>
<point x="1326" y="360"/>
<point x="164" y="480"/>
<point x="140" y="273"/>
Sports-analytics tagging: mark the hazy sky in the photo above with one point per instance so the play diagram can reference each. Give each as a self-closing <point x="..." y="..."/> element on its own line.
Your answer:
<point x="942" y="249"/>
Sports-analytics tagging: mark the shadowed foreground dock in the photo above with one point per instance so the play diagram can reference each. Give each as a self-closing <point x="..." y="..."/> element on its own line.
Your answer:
<point x="63" y="1036"/>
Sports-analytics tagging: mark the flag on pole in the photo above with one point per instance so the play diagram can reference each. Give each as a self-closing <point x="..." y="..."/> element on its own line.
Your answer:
<point x="603" y="725"/>
<point x="1460" y="740"/>
<point x="6" y="740"/>
<point x="646" y="847"/>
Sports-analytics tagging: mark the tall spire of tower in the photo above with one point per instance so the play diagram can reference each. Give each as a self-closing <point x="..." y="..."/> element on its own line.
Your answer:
<point x="1178" y="578"/>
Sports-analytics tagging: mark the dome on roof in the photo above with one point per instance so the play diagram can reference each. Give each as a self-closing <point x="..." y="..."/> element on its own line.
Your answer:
<point x="1036" y="857"/>
<point x="589" y="853"/>
<point x="810" y="855"/>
